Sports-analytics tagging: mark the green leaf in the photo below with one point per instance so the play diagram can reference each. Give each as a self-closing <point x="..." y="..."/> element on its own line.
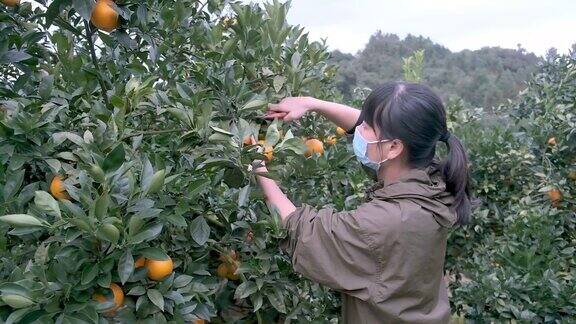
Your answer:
<point x="151" y="232"/>
<point x="84" y="8"/>
<point x="46" y="86"/>
<point x="47" y="203"/>
<point x="243" y="195"/>
<point x="156" y="298"/>
<point x="13" y="184"/>
<point x="137" y="291"/>
<point x="277" y="300"/>
<point x="272" y="134"/>
<point x="13" y="56"/>
<point x="89" y="273"/>
<point x="17" y="301"/>
<point x="60" y="137"/>
<point x="255" y="103"/>
<point x="294" y="144"/>
<point x="245" y="289"/>
<point x="146" y="176"/>
<point x="153" y="253"/>
<point x="278" y="82"/>
<point x="182" y="281"/>
<point x="197" y="186"/>
<point x="157" y="182"/>
<point x="295" y="61"/>
<point x="114" y="159"/>
<point x="21" y="220"/>
<point x="199" y="230"/>
<point x="101" y="206"/>
<point x="109" y="233"/>
<point x="125" y="266"/>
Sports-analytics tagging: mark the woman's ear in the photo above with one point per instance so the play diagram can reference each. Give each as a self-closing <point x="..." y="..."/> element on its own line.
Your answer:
<point x="396" y="149"/>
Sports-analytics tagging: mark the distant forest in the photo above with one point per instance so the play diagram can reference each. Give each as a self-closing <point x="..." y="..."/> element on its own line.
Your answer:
<point x="483" y="78"/>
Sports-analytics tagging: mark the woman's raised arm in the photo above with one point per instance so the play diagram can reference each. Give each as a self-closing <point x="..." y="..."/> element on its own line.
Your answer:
<point x="293" y="108"/>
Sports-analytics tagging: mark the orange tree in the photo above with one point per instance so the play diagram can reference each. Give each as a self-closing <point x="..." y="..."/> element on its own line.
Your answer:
<point x="515" y="261"/>
<point x="125" y="188"/>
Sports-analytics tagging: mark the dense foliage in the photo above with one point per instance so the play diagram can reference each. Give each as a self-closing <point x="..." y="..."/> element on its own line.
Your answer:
<point x="516" y="260"/>
<point x="123" y="166"/>
<point x="124" y="171"/>
<point x="483" y="78"/>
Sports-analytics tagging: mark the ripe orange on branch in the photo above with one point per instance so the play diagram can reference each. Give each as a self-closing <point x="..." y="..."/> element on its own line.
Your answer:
<point x="313" y="146"/>
<point x="57" y="188"/>
<point x="229" y="266"/>
<point x="555" y="196"/>
<point x="140" y="262"/>
<point x="268" y="150"/>
<point x="552" y="141"/>
<point x="159" y="269"/>
<point x="10" y="3"/>
<point x="331" y="140"/>
<point x="104" y="16"/>
<point x="117" y="295"/>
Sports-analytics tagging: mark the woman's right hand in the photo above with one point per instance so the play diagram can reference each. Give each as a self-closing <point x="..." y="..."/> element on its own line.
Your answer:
<point x="290" y="108"/>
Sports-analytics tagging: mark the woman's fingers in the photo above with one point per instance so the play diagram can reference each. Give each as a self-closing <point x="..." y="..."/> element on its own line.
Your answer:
<point x="272" y="115"/>
<point x="278" y="107"/>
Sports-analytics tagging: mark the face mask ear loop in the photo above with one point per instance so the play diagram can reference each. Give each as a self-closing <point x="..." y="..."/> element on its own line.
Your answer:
<point x="380" y="150"/>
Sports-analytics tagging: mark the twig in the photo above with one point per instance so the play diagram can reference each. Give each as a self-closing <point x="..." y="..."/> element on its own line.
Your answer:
<point x="95" y="62"/>
<point x="155" y="132"/>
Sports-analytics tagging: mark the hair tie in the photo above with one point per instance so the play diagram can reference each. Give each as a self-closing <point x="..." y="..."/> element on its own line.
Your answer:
<point x="444" y="138"/>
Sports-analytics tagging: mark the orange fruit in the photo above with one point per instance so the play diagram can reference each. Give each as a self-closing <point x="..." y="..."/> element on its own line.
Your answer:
<point x="340" y="131"/>
<point x="199" y="321"/>
<point x="11" y="3"/>
<point x="552" y="141"/>
<point x="232" y="275"/>
<point x="249" y="140"/>
<point x="117" y="294"/>
<point x="57" y="188"/>
<point x="140" y="262"/>
<point x="314" y="146"/>
<point x="268" y="150"/>
<point x="228" y="270"/>
<point x="250" y="236"/>
<point x="104" y="16"/>
<point x="222" y="270"/>
<point x="331" y="140"/>
<point x="572" y="175"/>
<point x="159" y="269"/>
<point x="229" y="265"/>
<point x="555" y="196"/>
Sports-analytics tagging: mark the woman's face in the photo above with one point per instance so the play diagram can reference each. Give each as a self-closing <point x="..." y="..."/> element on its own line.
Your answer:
<point x="376" y="151"/>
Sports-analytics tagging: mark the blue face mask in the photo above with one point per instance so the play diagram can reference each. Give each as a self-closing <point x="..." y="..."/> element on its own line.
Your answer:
<point x="360" y="145"/>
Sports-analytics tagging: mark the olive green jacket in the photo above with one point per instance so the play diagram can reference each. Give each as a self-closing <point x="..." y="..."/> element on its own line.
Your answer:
<point x="387" y="256"/>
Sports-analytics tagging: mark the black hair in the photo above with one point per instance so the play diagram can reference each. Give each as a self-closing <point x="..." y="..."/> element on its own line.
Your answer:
<point x="414" y="114"/>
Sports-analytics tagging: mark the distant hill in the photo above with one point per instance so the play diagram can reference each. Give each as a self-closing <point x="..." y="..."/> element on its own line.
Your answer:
<point x="484" y="77"/>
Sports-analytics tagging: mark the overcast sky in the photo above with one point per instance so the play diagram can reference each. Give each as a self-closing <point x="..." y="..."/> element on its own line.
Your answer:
<point x="456" y="24"/>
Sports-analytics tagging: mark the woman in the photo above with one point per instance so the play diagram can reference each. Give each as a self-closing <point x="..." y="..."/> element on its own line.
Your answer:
<point x="387" y="256"/>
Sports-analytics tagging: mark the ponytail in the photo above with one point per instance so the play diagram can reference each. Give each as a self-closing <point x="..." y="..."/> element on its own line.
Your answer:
<point x="413" y="113"/>
<point x="457" y="178"/>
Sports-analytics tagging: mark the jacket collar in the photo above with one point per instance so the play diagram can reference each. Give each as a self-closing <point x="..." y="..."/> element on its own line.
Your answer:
<point x="426" y="187"/>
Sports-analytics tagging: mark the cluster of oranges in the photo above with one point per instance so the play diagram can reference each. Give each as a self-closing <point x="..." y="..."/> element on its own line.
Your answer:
<point x="228" y="266"/>
<point x="313" y="145"/>
<point x="157" y="270"/>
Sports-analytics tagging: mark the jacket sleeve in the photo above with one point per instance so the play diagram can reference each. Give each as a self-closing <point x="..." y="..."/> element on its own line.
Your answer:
<point x="329" y="247"/>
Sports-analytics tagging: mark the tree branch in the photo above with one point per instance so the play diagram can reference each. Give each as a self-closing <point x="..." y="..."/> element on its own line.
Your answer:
<point x="95" y="62"/>
<point x="154" y="132"/>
